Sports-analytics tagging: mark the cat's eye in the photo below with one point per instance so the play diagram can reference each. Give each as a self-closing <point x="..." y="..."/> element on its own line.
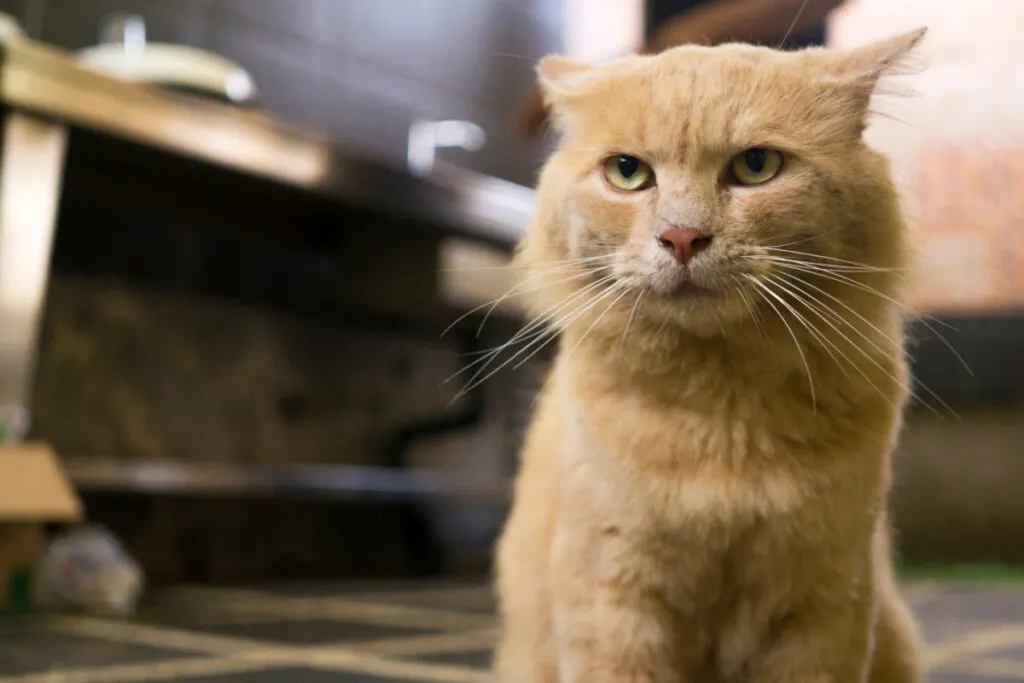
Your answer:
<point x="755" y="166"/>
<point x="627" y="173"/>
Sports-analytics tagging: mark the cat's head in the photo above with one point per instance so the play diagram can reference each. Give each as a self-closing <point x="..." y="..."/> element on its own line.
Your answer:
<point x="690" y="186"/>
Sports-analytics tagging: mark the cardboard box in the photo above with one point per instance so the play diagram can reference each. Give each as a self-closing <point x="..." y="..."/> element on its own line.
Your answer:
<point x="34" y="490"/>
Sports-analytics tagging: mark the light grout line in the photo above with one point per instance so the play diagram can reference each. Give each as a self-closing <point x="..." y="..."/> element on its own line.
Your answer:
<point x="255" y="655"/>
<point x="979" y="642"/>
<point x="165" y="670"/>
<point x="160" y="637"/>
<point x="464" y="601"/>
<point x="225" y="617"/>
<point x="362" y="611"/>
<point x="432" y="644"/>
<point x="346" y="660"/>
<point x="957" y="630"/>
<point x="466" y="632"/>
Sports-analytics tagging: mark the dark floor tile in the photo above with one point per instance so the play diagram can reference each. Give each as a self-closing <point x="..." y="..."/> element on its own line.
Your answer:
<point x="953" y="677"/>
<point x="459" y="596"/>
<point x="311" y="631"/>
<point x="942" y="630"/>
<point x="368" y="589"/>
<point x="347" y="589"/>
<point x="178" y="613"/>
<point x="983" y="604"/>
<point x="30" y="649"/>
<point x="471" y="598"/>
<point x="1015" y="654"/>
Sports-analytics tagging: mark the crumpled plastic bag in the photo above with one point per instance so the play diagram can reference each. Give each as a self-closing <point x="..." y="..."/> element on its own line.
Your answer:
<point x="88" y="569"/>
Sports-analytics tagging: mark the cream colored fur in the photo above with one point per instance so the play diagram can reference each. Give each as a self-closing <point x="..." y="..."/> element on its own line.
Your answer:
<point x="703" y="488"/>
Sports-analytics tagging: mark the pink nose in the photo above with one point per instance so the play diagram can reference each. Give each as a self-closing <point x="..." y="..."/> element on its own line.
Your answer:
<point x="683" y="242"/>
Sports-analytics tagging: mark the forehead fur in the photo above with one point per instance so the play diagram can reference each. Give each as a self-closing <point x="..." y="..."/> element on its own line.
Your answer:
<point x="728" y="97"/>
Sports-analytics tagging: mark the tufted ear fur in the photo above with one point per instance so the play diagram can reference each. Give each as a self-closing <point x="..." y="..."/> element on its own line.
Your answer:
<point x="858" y="70"/>
<point x="884" y="57"/>
<point x="559" y="74"/>
<point x="561" y="78"/>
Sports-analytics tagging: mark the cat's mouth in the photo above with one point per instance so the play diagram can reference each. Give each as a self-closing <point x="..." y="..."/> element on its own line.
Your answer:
<point x="688" y="289"/>
<point x="682" y="289"/>
<point x="680" y="283"/>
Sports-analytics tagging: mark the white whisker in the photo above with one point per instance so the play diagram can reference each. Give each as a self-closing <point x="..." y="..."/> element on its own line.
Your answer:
<point x="562" y="324"/>
<point x="537" y="323"/>
<point x="515" y="290"/>
<point x="632" y="314"/>
<point x="832" y="259"/>
<point x="807" y="239"/>
<point x="800" y="350"/>
<point x="544" y="338"/>
<point x="843" y="279"/>
<point x="497" y="302"/>
<point x="755" y="315"/>
<point x="796" y="284"/>
<point x="625" y="291"/>
<point x="836" y="267"/>
<point x="827" y="344"/>
<point x="810" y="306"/>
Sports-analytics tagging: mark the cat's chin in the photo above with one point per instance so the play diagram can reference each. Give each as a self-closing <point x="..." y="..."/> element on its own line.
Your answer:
<point x="686" y="290"/>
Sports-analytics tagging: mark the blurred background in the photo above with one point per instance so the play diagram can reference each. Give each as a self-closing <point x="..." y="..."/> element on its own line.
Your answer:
<point x="232" y="233"/>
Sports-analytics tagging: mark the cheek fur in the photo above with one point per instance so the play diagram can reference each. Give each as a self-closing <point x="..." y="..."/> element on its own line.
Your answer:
<point x="603" y="218"/>
<point x="791" y="208"/>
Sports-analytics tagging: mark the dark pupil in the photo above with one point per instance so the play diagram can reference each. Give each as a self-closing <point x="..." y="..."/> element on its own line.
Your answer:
<point x="755" y="159"/>
<point x="628" y="166"/>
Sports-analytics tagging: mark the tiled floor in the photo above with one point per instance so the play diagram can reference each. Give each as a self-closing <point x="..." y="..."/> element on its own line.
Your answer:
<point x="373" y="634"/>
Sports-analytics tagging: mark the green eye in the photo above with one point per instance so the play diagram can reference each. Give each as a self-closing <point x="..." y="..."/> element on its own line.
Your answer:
<point x="755" y="166"/>
<point x="628" y="173"/>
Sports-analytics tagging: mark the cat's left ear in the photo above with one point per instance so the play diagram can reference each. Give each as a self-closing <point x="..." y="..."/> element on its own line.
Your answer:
<point x="861" y="68"/>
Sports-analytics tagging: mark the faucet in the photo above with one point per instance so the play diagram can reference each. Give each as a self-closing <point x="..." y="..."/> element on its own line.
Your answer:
<point x="426" y="137"/>
<point x="127" y="29"/>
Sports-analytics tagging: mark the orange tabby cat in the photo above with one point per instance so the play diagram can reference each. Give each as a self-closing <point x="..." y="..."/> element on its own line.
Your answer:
<point x="703" y="488"/>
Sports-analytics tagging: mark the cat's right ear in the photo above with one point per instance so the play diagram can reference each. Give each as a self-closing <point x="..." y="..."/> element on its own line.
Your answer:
<point x="560" y="78"/>
<point x="559" y="74"/>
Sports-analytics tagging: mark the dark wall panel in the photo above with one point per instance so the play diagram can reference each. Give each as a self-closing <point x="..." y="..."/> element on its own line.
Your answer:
<point x="361" y="70"/>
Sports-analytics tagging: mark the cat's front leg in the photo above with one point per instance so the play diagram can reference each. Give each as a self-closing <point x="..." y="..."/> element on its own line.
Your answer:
<point x="824" y="643"/>
<point x="610" y="625"/>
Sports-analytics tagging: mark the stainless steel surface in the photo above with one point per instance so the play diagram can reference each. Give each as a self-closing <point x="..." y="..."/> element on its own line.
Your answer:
<point x="310" y="480"/>
<point x="426" y="137"/>
<point x="31" y="168"/>
<point x="46" y="93"/>
<point x="44" y="80"/>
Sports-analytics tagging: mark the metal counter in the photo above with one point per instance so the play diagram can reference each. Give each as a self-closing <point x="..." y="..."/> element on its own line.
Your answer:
<point x="46" y="95"/>
<point x="47" y="82"/>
